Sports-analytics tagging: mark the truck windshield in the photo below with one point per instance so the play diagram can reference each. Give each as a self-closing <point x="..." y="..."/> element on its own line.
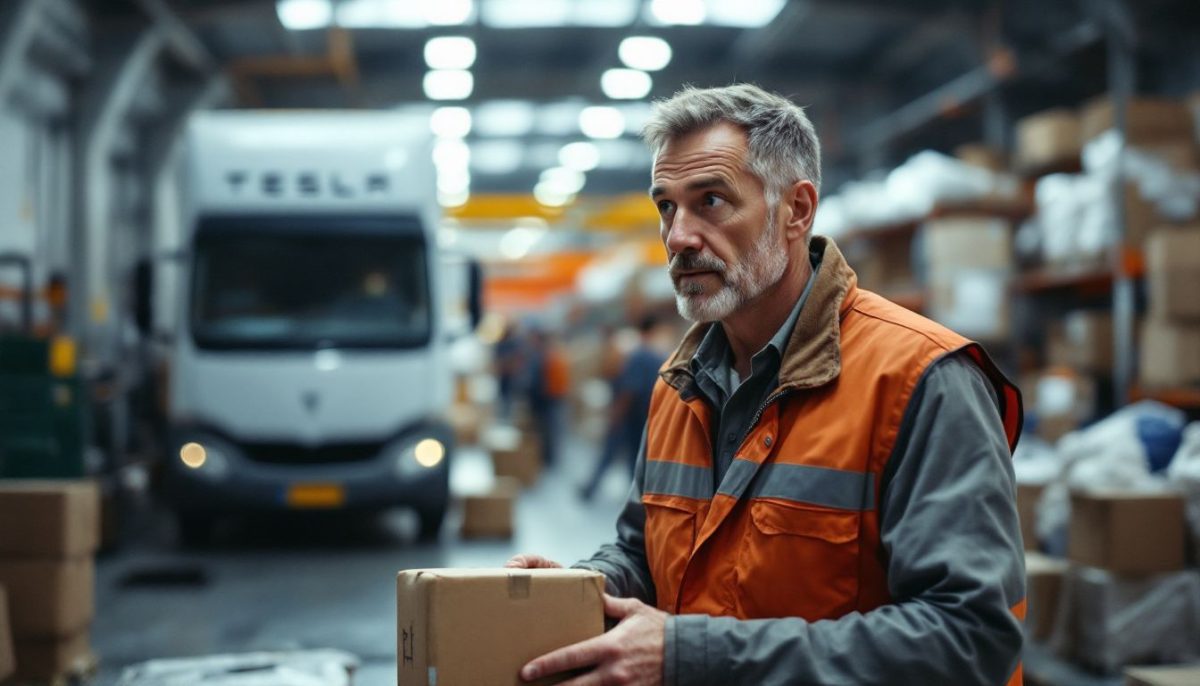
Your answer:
<point x="309" y="289"/>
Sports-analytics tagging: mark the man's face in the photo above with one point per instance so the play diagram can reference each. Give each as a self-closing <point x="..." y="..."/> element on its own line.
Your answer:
<point x="722" y="243"/>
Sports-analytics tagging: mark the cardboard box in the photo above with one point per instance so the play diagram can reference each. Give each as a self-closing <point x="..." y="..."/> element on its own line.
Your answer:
<point x="1148" y="120"/>
<point x="464" y="627"/>
<point x="467" y="422"/>
<point x="973" y="302"/>
<point x="1044" y="579"/>
<point x="48" y="598"/>
<point x="1060" y="399"/>
<point x="982" y="156"/>
<point x="1082" y="340"/>
<point x="1181" y="155"/>
<point x="1048" y="138"/>
<point x="57" y="518"/>
<point x="1127" y="533"/>
<point x="1170" y="354"/>
<point x="491" y="514"/>
<point x="1176" y="675"/>
<point x="1173" y="273"/>
<point x="7" y="659"/>
<point x="1028" y="496"/>
<point x="967" y="243"/>
<point x="45" y="659"/>
<point x="884" y="263"/>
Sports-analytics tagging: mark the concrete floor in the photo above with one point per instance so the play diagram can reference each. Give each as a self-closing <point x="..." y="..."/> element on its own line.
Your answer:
<point x="318" y="582"/>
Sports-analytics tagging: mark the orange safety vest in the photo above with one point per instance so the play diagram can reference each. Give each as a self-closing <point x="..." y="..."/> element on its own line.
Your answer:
<point x="803" y="490"/>
<point x="558" y="373"/>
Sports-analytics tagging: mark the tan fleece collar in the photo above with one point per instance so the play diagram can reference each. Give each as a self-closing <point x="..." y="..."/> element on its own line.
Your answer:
<point x="813" y="357"/>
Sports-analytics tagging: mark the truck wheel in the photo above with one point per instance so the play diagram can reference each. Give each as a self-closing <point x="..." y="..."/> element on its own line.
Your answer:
<point x="195" y="530"/>
<point x="429" y="522"/>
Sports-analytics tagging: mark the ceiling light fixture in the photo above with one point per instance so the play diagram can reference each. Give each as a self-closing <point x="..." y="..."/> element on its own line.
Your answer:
<point x="450" y="122"/>
<point x="450" y="52"/>
<point x="625" y="84"/>
<point x="648" y="53"/>
<point x="302" y="15"/>
<point x="448" y="84"/>
<point x="580" y="156"/>
<point x="681" y="12"/>
<point x="601" y="122"/>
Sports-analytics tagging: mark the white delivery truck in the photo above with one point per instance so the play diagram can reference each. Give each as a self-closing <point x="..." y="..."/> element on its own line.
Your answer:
<point x="309" y="364"/>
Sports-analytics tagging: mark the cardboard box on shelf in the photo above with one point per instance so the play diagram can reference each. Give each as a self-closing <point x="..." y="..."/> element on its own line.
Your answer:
<point x="491" y="514"/>
<point x="1173" y="272"/>
<point x="885" y="265"/>
<point x="1044" y="579"/>
<point x="982" y="156"/>
<point x="973" y="302"/>
<point x="1171" y="675"/>
<point x="1028" y="496"/>
<point x="1148" y="119"/>
<point x="46" y="659"/>
<point x="1181" y="154"/>
<point x="1082" y="340"/>
<point x="463" y="627"/>
<point x="1048" y="138"/>
<point x="953" y="244"/>
<point x="48" y="598"/>
<point x="1127" y="533"/>
<point x="7" y="658"/>
<point x="467" y="421"/>
<point x="58" y="518"/>
<point x="1170" y="354"/>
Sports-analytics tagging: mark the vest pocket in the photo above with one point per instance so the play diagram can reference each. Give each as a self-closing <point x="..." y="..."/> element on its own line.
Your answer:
<point x="671" y="524"/>
<point x="798" y="561"/>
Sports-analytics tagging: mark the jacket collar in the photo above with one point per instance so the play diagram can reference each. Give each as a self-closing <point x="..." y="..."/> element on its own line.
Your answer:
<point x="813" y="357"/>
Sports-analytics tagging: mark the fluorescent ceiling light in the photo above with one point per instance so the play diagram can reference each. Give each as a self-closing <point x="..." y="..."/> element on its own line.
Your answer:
<point x="601" y="122"/>
<point x="648" y="53"/>
<point x="504" y="118"/>
<point x="300" y="15"/>
<point x="450" y="52"/>
<point x="448" y="84"/>
<point x="746" y="14"/>
<point x="521" y="14"/>
<point x="609" y="13"/>
<point x="450" y="154"/>
<point x="563" y="180"/>
<point x="449" y="12"/>
<point x="580" y="155"/>
<point x="450" y="122"/>
<point x="550" y="197"/>
<point x="453" y="199"/>
<point x="453" y="181"/>
<point x="496" y="156"/>
<point x="682" y="12"/>
<point x="380" y="14"/>
<point x="625" y="84"/>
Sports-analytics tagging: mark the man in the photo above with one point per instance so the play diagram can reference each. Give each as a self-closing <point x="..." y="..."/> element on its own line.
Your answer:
<point x="632" y="389"/>
<point x="549" y="384"/>
<point x="824" y="493"/>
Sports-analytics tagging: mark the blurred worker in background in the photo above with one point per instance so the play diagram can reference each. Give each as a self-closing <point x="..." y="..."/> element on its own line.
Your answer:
<point x="549" y="384"/>
<point x="508" y="359"/>
<point x="825" y="491"/>
<point x="631" y="403"/>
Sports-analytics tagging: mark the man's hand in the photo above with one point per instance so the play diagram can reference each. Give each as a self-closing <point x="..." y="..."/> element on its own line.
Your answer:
<point x="630" y="654"/>
<point x="531" y="562"/>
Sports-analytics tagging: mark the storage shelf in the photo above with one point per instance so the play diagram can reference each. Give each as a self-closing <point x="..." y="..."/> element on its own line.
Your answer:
<point x="1091" y="279"/>
<point x="1183" y="398"/>
<point x="1013" y="210"/>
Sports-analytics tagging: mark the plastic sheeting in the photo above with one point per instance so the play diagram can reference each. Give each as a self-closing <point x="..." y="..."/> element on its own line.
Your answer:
<point x="1105" y="622"/>
<point x="292" y="668"/>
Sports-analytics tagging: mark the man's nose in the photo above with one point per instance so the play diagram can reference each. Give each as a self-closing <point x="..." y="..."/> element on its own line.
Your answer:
<point x="683" y="235"/>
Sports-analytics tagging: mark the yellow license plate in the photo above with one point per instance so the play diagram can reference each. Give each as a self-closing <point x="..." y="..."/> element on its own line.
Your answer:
<point x="309" y="496"/>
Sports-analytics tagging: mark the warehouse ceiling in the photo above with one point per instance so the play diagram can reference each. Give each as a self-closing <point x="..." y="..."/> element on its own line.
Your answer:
<point x="539" y="63"/>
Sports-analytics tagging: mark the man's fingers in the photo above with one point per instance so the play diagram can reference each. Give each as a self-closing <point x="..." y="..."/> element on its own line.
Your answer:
<point x="619" y="608"/>
<point x="582" y="654"/>
<point x="525" y="561"/>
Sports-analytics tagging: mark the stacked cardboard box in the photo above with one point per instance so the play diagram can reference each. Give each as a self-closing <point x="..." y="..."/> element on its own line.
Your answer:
<point x="462" y="627"/>
<point x="1060" y="398"/>
<point x="1082" y="340"/>
<point x="515" y="453"/>
<point x="1048" y="139"/>
<point x="1127" y="533"/>
<point x="1044" y="579"/>
<point x="46" y="567"/>
<point x="491" y="514"/>
<point x="969" y="262"/>
<point x="1170" y="352"/>
<point x="1148" y="120"/>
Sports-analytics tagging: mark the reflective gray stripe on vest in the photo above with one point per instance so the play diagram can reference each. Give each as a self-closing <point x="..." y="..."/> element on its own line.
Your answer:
<point x="676" y="478"/>
<point x="799" y="483"/>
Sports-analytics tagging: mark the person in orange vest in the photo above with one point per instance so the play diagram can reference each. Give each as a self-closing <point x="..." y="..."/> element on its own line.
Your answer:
<point x="824" y="493"/>
<point x="549" y="384"/>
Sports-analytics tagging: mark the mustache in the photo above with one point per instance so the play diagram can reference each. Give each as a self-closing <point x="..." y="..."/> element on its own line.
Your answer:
<point x="694" y="261"/>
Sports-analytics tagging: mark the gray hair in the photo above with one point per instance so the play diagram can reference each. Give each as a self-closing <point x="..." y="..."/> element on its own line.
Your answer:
<point x="783" y="144"/>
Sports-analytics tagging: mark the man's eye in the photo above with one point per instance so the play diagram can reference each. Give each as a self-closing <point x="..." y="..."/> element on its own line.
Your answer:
<point x="665" y="206"/>
<point x="713" y="200"/>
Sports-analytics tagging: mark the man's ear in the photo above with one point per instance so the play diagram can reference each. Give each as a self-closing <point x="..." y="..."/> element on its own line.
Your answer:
<point x="801" y="201"/>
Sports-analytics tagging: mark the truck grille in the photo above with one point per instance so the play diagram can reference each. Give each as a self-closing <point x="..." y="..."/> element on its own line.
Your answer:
<point x="294" y="453"/>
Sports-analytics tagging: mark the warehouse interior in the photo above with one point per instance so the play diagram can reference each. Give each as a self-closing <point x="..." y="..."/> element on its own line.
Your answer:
<point x="217" y="452"/>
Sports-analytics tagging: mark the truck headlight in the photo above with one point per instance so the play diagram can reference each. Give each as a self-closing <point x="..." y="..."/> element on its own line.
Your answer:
<point x="417" y="457"/>
<point x="204" y="460"/>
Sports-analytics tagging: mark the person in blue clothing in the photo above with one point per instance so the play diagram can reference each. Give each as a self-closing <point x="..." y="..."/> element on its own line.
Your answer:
<point x="631" y="404"/>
